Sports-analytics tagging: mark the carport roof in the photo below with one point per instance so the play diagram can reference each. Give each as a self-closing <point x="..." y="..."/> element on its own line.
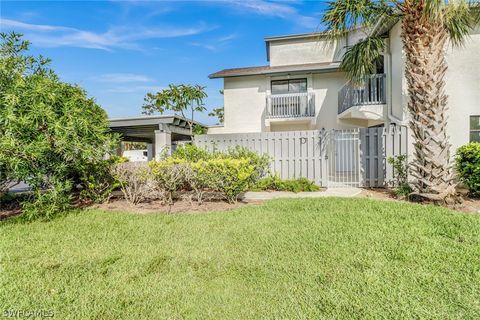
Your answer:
<point x="143" y="128"/>
<point x="172" y="119"/>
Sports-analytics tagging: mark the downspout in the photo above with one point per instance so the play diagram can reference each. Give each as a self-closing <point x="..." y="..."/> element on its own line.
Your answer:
<point x="388" y="78"/>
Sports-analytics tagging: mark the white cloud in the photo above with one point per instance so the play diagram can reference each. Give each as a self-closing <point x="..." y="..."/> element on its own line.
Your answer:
<point x="284" y="10"/>
<point x="134" y="89"/>
<point x="127" y="83"/>
<point x="216" y="44"/>
<point x="122" y="78"/>
<point x="115" y="37"/>
<point x="7" y="23"/>
<point x="228" y="37"/>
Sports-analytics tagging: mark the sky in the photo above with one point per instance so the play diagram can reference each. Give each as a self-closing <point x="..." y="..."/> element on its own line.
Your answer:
<point x="120" y="50"/>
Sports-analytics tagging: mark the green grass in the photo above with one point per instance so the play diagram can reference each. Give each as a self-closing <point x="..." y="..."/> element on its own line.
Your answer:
<point x="291" y="259"/>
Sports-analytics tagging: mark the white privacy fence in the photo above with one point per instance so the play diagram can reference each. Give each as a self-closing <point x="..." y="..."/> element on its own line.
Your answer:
<point x="294" y="153"/>
<point x="330" y="158"/>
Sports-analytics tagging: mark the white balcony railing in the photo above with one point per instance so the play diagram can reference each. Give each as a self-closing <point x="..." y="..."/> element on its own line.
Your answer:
<point x="290" y="105"/>
<point x="371" y="90"/>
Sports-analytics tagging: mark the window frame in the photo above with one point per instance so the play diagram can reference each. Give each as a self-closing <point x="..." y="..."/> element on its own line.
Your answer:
<point x="471" y="130"/>
<point x="288" y="84"/>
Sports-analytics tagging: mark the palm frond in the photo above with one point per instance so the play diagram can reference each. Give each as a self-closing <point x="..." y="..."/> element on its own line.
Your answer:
<point x="344" y="15"/>
<point x="360" y="59"/>
<point x="460" y="18"/>
<point x="434" y="9"/>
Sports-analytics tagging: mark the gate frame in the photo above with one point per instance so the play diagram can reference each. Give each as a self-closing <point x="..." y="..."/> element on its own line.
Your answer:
<point x="353" y="157"/>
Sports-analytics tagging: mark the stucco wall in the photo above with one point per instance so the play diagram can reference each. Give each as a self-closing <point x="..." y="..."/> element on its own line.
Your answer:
<point x="326" y="87"/>
<point x="463" y="88"/>
<point x="305" y="50"/>
<point x="216" y="130"/>
<point x="244" y="102"/>
<point x="462" y="85"/>
<point x="245" y="96"/>
<point x="398" y="83"/>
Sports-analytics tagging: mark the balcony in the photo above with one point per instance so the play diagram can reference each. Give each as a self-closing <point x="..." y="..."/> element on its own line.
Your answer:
<point x="294" y="106"/>
<point x="365" y="100"/>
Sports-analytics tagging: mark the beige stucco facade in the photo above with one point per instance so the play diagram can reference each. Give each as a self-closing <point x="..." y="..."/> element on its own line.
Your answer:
<point x="462" y="85"/>
<point x="245" y="104"/>
<point x="463" y="88"/>
<point x="245" y="97"/>
<point x="311" y="50"/>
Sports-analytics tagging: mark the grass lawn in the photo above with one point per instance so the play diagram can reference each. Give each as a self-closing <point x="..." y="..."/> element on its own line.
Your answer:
<point x="291" y="259"/>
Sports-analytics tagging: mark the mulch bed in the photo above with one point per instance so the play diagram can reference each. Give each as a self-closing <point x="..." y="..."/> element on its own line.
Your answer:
<point x="182" y="205"/>
<point x="468" y="205"/>
<point x="7" y="213"/>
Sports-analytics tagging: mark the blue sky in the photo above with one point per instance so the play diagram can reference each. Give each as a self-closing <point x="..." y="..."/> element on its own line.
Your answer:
<point x="120" y="50"/>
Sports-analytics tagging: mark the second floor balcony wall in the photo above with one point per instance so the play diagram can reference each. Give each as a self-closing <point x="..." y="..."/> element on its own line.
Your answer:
<point x="369" y="91"/>
<point x="290" y="105"/>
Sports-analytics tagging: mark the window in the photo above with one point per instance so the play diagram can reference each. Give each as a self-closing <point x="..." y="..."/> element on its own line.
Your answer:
<point x="474" y="128"/>
<point x="289" y="86"/>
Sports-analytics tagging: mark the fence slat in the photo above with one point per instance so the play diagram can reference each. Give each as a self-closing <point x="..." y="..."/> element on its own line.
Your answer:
<point x="389" y="140"/>
<point x="380" y="156"/>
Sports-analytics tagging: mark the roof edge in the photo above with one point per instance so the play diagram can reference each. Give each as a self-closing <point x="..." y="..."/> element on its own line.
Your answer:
<point x="294" y="36"/>
<point x="155" y="117"/>
<point x="267" y="70"/>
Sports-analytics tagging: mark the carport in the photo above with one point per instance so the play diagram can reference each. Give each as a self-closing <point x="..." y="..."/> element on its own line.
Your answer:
<point x="159" y="132"/>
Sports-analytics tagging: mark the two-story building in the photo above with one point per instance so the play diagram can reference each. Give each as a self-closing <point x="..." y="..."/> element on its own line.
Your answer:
<point x="303" y="88"/>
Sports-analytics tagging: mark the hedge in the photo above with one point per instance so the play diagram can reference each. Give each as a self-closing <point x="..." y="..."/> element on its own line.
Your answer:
<point x="468" y="166"/>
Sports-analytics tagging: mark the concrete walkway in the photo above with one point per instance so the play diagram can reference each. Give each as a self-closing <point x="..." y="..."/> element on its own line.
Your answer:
<point x="332" y="192"/>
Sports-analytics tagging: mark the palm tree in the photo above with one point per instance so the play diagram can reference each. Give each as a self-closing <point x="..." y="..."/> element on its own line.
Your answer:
<point x="428" y="26"/>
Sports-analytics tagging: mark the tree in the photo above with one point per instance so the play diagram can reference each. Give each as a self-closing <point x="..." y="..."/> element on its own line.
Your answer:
<point x="218" y="113"/>
<point x="51" y="132"/>
<point x="179" y="99"/>
<point x="427" y="27"/>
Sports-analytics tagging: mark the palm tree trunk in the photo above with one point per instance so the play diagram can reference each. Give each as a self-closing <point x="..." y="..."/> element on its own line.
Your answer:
<point x="424" y="43"/>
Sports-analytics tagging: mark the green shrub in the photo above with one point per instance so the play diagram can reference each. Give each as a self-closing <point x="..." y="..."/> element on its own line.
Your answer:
<point x="50" y="131"/>
<point x="228" y="176"/>
<point x="274" y="183"/>
<point x="403" y="190"/>
<point x="46" y="204"/>
<point x="400" y="172"/>
<point x="199" y="179"/>
<point x="260" y="162"/>
<point x="6" y="181"/>
<point x="225" y="175"/>
<point x="170" y="176"/>
<point x="468" y="166"/>
<point x="134" y="179"/>
<point x="192" y="153"/>
<point x="229" y="172"/>
<point x="97" y="179"/>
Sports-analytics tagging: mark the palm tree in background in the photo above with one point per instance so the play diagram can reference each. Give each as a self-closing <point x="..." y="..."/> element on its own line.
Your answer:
<point x="428" y="26"/>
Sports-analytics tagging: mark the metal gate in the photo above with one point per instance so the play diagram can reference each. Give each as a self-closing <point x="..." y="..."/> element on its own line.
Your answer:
<point x="342" y="158"/>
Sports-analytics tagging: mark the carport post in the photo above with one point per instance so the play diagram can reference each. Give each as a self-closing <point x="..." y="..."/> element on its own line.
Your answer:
<point x="150" y="149"/>
<point x="162" y="143"/>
